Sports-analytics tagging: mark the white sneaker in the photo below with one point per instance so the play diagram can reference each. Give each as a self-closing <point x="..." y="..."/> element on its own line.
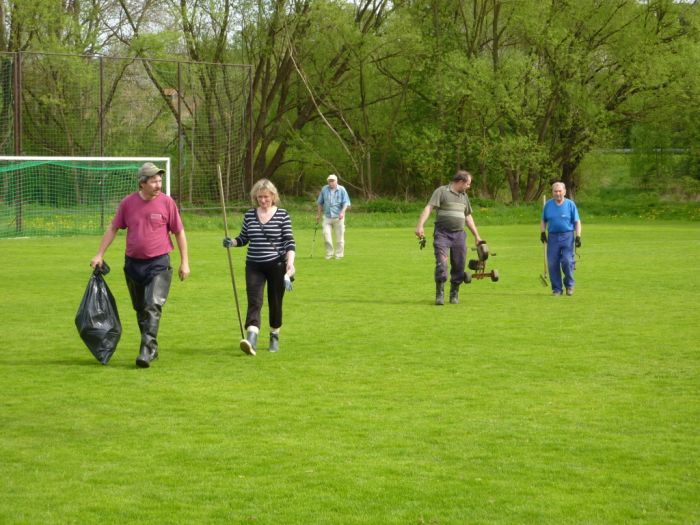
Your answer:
<point x="329" y="257"/>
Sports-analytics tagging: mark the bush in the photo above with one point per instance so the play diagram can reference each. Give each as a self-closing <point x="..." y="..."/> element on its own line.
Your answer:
<point x="383" y="205"/>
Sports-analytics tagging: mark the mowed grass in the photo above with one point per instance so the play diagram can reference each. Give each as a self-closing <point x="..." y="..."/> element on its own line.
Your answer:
<point x="512" y="407"/>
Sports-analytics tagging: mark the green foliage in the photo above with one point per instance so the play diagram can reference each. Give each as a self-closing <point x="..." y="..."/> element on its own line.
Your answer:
<point x="664" y="142"/>
<point x="422" y="146"/>
<point x="613" y="186"/>
<point x="642" y="205"/>
<point x="384" y="205"/>
<point x="394" y="96"/>
<point x="511" y="407"/>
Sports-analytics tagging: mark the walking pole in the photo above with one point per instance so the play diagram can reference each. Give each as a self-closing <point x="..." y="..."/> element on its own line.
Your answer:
<point x="543" y="276"/>
<point x="228" y="252"/>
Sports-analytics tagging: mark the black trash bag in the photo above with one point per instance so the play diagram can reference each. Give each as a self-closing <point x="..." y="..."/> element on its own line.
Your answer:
<point x="97" y="319"/>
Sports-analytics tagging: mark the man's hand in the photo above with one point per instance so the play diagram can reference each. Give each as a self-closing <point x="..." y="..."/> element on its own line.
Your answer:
<point x="577" y="241"/>
<point x="543" y="237"/>
<point x="228" y="242"/>
<point x="184" y="271"/>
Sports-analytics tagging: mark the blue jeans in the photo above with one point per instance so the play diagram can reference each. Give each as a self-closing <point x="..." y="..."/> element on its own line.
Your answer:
<point x="560" y="258"/>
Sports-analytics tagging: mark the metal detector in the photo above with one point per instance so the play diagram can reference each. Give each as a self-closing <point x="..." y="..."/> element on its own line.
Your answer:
<point x="576" y="255"/>
<point x="244" y="344"/>
<point x="313" y="242"/>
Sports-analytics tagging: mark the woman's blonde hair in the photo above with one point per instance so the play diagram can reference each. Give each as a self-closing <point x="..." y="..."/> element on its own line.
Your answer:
<point x="264" y="185"/>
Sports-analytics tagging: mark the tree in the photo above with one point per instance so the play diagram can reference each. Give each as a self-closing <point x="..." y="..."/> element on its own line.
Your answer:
<point x="304" y="54"/>
<point x="665" y="131"/>
<point x="601" y="59"/>
<point x="393" y="95"/>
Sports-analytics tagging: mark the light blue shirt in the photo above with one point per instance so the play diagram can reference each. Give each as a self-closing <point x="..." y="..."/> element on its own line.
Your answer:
<point x="560" y="218"/>
<point x="333" y="201"/>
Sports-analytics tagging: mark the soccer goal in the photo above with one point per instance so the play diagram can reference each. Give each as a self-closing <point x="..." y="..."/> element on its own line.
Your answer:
<point x="66" y="195"/>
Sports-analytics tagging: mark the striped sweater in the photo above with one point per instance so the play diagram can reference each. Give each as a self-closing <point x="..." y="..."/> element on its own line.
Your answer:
<point x="265" y="248"/>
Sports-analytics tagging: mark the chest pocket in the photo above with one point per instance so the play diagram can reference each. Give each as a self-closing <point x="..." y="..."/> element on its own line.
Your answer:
<point x="156" y="221"/>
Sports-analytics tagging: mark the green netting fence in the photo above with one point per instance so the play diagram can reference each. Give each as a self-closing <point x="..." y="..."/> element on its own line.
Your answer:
<point x="40" y="196"/>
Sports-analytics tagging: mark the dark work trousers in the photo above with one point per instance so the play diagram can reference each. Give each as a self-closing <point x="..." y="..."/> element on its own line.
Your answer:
<point x="148" y="281"/>
<point x="256" y="275"/>
<point x="452" y="244"/>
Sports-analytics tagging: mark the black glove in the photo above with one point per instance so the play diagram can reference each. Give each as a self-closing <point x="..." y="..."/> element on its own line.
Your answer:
<point x="577" y="241"/>
<point x="421" y="242"/>
<point x="543" y="237"/>
<point x="228" y="242"/>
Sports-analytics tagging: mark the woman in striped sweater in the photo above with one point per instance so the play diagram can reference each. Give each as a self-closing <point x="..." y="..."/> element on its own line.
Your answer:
<point x="267" y="230"/>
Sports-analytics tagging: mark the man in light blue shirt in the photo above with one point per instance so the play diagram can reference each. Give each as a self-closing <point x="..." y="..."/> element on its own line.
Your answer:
<point x="560" y="217"/>
<point x="333" y="202"/>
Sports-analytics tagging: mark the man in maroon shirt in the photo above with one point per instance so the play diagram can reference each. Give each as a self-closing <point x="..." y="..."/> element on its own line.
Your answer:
<point x="149" y="217"/>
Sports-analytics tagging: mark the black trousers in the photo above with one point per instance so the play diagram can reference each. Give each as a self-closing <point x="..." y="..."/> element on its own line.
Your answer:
<point x="148" y="281"/>
<point x="256" y="275"/>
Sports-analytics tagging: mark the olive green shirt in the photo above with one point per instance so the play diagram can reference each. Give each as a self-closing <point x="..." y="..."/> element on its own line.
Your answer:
<point x="452" y="208"/>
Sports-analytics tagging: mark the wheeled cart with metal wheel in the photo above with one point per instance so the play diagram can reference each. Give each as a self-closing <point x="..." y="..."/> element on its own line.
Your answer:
<point x="478" y="266"/>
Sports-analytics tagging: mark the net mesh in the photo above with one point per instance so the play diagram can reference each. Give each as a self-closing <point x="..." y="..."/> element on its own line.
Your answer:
<point x="76" y="106"/>
<point x="64" y="196"/>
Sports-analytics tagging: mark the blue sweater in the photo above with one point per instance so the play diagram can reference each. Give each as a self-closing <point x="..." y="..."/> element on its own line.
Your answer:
<point x="562" y="218"/>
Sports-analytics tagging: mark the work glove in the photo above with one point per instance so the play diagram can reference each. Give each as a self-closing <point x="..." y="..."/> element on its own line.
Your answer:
<point x="421" y="242"/>
<point x="228" y="242"/>
<point x="288" y="283"/>
<point x="543" y="237"/>
<point x="577" y="241"/>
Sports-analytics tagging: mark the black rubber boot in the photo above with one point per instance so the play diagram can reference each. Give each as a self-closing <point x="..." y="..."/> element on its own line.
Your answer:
<point x="439" y="293"/>
<point x="150" y="300"/>
<point x="454" y="293"/>
<point x="274" y="341"/>
<point x="149" y="320"/>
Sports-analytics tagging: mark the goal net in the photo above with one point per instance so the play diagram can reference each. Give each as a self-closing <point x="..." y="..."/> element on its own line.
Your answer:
<point x="66" y="195"/>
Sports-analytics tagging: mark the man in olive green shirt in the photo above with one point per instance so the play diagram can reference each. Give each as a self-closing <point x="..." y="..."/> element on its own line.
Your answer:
<point x="450" y="239"/>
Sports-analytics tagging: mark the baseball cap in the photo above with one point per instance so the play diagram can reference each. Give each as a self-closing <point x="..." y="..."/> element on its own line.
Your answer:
<point x="332" y="177"/>
<point x="149" y="170"/>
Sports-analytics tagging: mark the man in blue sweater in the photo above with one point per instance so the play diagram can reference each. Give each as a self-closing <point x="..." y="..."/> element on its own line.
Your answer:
<point x="560" y="218"/>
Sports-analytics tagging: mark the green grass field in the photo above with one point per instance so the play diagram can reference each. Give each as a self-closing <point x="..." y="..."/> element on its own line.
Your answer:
<point x="381" y="408"/>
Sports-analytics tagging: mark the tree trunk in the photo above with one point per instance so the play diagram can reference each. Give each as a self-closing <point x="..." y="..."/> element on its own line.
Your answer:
<point x="567" y="177"/>
<point x="514" y="184"/>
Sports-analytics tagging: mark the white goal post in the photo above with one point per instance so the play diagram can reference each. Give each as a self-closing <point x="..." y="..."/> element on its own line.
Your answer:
<point x="43" y="195"/>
